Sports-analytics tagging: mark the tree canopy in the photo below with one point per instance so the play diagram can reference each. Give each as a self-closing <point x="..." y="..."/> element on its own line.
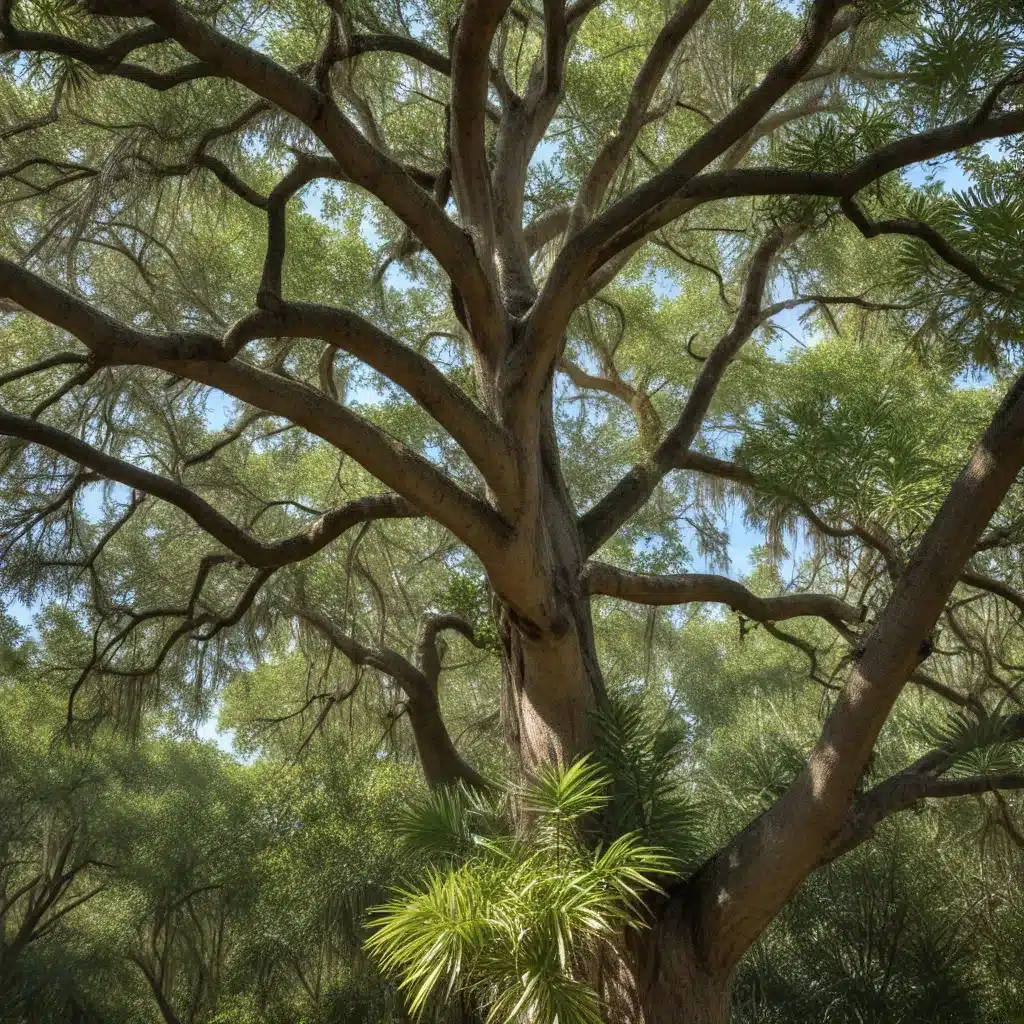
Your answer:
<point x="395" y="380"/>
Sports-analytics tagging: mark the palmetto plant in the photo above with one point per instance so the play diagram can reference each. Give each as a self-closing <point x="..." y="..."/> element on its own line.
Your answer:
<point x="513" y="908"/>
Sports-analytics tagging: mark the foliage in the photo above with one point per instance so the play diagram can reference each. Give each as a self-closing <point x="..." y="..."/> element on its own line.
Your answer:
<point x="148" y="875"/>
<point x="515" y="916"/>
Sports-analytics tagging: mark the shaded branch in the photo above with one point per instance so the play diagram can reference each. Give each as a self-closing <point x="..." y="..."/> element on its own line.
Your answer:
<point x="546" y="227"/>
<point x="383" y="42"/>
<point x="441" y="762"/>
<point x="982" y="582"/>
<point x="470" y="74"/>
<point x="924" y="233"/>
<point x="428" y="654"/>
<point x="922" y="781"/>
<point x="60" y="359"/>
<point x="105" y="60"/>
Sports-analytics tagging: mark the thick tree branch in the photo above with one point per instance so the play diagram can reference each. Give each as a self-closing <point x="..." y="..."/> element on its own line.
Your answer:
<point x="471" y="176"/>
<point x="162" y="1002"/>
<point x="383" y="42"/>
<point x="583" y="380"/>
<point x="521" y="130"/>
<point x="60" y="359"/>
<point x="207" y="360"/>
<point x="306" y="169"/>
<point x="671" y="199"/>
<point x="773" y="122"/>
<point x="471" y="519"/>
<point x="693" y="588"/>
<point x="744" y="886"/>
<point x="921" y="781"/>
<point x="483" y="441"/>
<point x="902" y="794"/>
<point x="546" y="227"/>
<point x="105" y="60"/>
<point x="428" y="654"/>
<point x="982" y="582"/>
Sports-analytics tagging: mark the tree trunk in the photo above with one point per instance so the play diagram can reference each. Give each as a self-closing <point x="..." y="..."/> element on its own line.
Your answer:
<point x="552" y="684"/>
<point x="663" y="977"/>
<point x="675" y="986"/>
<point x="551" y="675"/>
<point x="549" y="690"/>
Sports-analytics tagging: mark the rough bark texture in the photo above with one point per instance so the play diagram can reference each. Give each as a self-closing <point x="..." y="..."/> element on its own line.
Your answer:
<point x="673" y="983"/>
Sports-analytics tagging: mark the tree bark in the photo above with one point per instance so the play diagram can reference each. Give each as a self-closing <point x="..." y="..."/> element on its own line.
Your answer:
<point x="550" y="686"/>
<point x="551" y="675"/>
<point x="663" y="977"/>
<point x="675" y="983"/>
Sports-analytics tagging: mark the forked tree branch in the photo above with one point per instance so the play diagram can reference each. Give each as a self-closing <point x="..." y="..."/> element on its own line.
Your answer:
<point x="385" y="42"/>
<point x="609" y="159"/>
<point x="428" y="655"/>
<point x="484" y="442"/>
<point x="105" y="60"/>
<point x="594" y="245"/>
<point x="922" y="780"/>
<point x="365" y="165"/>
<point x="673" y="199"/>
<point x="306" y="169"/>
<point x="924" y="233"/>
<point x="157" y="989"/>
<point x="904" y="794"/>
<point x="478" y="22"/>
<point x="441" y="762"/>
<point x="670" y="194"/>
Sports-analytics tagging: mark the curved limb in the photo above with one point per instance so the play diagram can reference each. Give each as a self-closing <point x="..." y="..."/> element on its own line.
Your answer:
<point x="441" y="762"/>
<point x="693" y="588"/>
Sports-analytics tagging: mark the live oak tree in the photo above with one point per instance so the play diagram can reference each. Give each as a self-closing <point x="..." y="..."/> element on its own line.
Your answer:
<point x="235" y="212"/>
